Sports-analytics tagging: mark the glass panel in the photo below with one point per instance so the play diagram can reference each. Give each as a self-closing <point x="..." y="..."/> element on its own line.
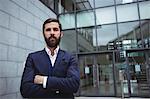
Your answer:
<point x="138" y="74"/>
<point x="106" y="80"/>
<point x="105" y="15"/>
<point x="145" y="29"/>
<point x="141" y="0"/>
<point x="127" y="12"/>
<point x="128" y="36"/>
<point x="85" y="18"/>
<point x="102" y="3"/>
<point x="67" y="21"/>
<point x="120" y="65"/>
<point x="91" y="3"/>
<point x="86" y="64"/>
<point x="84" y="4"/>
<point x="61" y="8"/>
<point x="67" y="6"/>
<point x="68" y="41"/>
<point x="144" y="10"/>
<point x="86" y="40"/>
<point x="96" y="74"/>
<point x="105" y="35"/>
<point x="125" y="1"/>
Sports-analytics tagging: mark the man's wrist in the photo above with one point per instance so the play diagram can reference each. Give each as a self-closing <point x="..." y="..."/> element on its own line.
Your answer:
<point x="44" y="81"/>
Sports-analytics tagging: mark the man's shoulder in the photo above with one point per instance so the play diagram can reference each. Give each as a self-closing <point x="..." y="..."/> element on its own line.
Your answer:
<point x="37" y="52"/>
<point x="67" y="53"/>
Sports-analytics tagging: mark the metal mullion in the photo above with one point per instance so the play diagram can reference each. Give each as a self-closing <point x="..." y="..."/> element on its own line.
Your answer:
<point x="142" y="39"/>
<point x="114" y="73"/>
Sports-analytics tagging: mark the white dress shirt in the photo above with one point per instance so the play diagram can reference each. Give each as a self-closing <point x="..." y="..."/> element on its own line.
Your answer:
<point x="52" y="58"/>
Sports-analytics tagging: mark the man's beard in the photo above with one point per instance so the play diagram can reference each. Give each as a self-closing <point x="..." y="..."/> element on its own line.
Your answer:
<point x="52" y="41"/>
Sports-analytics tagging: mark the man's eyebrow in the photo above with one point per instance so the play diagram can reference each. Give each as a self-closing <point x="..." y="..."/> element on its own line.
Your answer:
<point x="55" y="28"/>
<point x="48" y="29"/>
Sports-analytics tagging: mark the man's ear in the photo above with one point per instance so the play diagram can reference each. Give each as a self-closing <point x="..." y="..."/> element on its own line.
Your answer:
<point x="62" y="34"/>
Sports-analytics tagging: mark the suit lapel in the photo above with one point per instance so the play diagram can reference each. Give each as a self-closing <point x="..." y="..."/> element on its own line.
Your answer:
<point x="47" y="66"/>
<point x="59" y="58"/>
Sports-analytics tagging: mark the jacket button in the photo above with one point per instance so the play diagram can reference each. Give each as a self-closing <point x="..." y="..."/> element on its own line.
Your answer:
<point x="57" y="92"/>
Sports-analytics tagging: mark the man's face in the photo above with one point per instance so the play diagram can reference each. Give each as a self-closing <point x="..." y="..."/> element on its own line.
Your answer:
<point x="52" y="34"/>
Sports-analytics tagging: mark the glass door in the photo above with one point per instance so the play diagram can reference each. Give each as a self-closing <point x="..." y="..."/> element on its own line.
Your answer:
<point x="121" y="74"/>
<point x="87" y="85"/>
<point x="97" y="74"/>
<point x="138" y="63"/>
<point x="106" y="74"/>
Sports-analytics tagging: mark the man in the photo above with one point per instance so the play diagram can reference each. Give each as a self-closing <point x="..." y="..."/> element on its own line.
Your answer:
<point x="52" y="72"/>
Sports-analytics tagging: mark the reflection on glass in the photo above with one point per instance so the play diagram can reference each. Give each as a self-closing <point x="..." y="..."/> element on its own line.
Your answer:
<point x="86" y="62"/>
<point x="145" y="29"/>
<point x="141" y="0"/>
<point x="128" y="37"/>
<point x="85" y="39"/>
<point x="91" y="3"/>
<point x="69" y="41"/>
<point x="105" y="15"/>
<point x="127" y="12"/>
<point x="84" y="4"/>
<point x="85" y="18"/>
<point x="63" y="6"/>
<point x="125" y="1"/>
<point x="67" y="20"/>
<point x="96" y="74"/>
<point x="144" y="10"/>
<point x="105" y="67"/>
<point x="105" y="35"/>
<point x="102" y="3"/>
<point x="138" y="74"/>
<point x="120" y="65"/>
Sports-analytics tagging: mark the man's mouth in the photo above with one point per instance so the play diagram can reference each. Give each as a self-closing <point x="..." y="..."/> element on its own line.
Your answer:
<point x="51" y="39"/>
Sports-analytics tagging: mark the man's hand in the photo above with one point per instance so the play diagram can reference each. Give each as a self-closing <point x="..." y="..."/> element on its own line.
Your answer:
<point x="38" y="79"/>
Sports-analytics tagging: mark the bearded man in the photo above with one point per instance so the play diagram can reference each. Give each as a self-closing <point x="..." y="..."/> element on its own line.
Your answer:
<point x="50" y="73"/>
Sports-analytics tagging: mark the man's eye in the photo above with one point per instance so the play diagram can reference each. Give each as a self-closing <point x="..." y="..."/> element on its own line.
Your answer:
<point x="55" y="29"/>
<point x="48" y="29"/>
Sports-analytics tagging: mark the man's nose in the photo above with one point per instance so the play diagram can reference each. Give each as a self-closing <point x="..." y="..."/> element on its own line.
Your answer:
<point x="51" y="35"/>
<point x="52" y="31"/>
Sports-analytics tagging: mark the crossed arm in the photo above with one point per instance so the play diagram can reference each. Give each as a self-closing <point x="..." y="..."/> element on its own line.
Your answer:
<point x="31" y="83"/>
<point x="39" y="79"/>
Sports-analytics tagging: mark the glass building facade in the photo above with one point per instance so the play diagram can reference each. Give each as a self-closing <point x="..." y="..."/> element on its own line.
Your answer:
<point x="109" y="37"/>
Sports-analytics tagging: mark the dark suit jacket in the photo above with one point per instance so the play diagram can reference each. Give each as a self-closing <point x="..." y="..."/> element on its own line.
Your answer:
<point x="63" y="78"/>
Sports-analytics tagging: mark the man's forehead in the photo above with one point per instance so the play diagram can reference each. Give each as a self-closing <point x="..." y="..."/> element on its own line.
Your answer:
<point x="52" y="24"/>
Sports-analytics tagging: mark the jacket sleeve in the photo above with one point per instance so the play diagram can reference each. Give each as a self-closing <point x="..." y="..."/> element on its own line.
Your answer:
<point x="70" y="83"/>
<point x="27" y="88"/>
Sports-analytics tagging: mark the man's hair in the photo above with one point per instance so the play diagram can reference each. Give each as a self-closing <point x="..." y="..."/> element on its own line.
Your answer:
<point x="52" y="20"/>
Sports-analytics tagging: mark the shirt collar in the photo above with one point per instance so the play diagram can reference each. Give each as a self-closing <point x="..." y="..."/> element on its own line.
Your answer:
<point x="49" y="52"/>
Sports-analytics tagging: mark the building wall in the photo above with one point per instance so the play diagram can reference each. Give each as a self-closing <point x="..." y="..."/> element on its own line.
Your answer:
<point x="20" y="33"/>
